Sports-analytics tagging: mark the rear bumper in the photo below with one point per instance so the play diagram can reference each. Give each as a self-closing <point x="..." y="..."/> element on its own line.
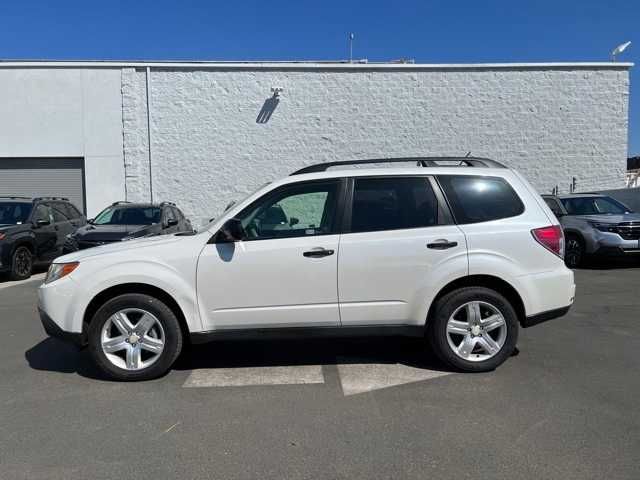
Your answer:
<point x="53" y="330"/>
<point x="544" y="316"/>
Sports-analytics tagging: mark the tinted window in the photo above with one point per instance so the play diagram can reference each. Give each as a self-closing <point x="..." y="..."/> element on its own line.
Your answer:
<point x="70" y="211"/>
<point x="476" y="199"/>
<point x="393" y="203"/>
<point x="553" y="205"/>
<point x="292" y="211"/>
<point x="14" y="213"/>
<point x="593" y="206"/>
<point x="58" y="214"/>
<point x="177" y="214"/>
<point x="43" y="212"/>
<point x="169" y="214"/>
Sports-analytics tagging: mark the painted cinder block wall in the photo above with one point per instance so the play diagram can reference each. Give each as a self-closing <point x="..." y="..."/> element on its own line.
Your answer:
<point x="210" y="144"/>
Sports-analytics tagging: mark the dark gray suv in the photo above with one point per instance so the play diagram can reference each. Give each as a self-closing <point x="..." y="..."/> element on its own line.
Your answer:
<point x="595" y="224"/>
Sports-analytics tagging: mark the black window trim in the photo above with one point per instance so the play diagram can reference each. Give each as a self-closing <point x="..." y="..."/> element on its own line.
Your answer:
<point x="337" y="221"/>
<point x="444" y="214"/>
<point x="452" y="211"/>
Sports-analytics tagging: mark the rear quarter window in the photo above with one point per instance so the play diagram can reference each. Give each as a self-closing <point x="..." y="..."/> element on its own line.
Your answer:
<point x="476" y="199"/>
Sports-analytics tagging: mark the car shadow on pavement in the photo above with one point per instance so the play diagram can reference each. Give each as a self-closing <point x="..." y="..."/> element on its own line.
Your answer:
<point x="269" y="353"/>
<point x="53" y="355"/>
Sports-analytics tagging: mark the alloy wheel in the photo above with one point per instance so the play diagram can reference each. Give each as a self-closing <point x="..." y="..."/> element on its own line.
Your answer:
<point x="132" y="339"/>
<point x="476" y="331"/>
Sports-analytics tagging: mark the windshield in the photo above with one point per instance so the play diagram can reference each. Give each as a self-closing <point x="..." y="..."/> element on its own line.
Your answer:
<point x="593" y="206"/>
<point x="14" y="213"/>
<point x="128" y="216"/>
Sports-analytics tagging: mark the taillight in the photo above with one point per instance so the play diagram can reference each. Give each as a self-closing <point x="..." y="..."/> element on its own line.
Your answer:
<point x="550" y="238"/>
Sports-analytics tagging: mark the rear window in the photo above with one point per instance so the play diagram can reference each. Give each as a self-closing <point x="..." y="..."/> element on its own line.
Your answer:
<point x="475" y="199"/>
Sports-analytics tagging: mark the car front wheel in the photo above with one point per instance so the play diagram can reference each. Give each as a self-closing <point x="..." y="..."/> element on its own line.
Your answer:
<point x="134" y="337"/>
<point x="473" y="329"/>
<point x="574" y="254"/>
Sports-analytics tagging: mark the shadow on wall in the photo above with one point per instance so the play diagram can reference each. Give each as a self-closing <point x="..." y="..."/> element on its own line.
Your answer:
<point x="269" y="106"/>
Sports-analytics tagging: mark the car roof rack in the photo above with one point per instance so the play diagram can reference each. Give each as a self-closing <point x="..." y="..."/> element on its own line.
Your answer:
<point x="50" y="198"/>
<point x="168" y="203"/>
<point x="16" y="197"/>
<point x="119" y="202"/>
<point x="420" y="161"/>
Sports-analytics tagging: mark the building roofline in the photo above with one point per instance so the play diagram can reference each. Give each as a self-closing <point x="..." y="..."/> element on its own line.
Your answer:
<point x="312" y="65"/>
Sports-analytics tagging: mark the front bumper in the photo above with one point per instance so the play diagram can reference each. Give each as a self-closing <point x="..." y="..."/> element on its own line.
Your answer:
<point x="53" y="330"/>
<point x="608" y="243"/>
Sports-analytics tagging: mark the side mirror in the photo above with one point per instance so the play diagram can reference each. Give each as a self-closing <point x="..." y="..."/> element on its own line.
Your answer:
<point x="172" y="222"/>
<point x="293" y="221"/>
<point x="90" y="221"/>
<point x="231" y="231"/>
<point x="42" y="223"/>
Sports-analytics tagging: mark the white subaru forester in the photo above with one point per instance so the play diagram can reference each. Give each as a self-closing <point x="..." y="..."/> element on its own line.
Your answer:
<point x="458" y="255"/>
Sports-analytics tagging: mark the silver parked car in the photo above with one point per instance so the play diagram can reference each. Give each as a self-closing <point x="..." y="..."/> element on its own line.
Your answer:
<point x="595" y="224"/>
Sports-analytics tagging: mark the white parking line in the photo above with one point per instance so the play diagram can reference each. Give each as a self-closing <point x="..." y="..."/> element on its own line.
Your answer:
<point x="37" y="277"/>
<point x="254" y="376"/>
<point x="367" y="377"/>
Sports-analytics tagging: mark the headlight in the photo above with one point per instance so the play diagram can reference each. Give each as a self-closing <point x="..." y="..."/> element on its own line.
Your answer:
<point x="58" y="270"/>
<point x="605" y="227"/>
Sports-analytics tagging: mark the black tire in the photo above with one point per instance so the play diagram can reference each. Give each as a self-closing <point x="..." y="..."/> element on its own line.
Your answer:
<point x="21" y="263"/>
<point x="446" y="306"/>
<point x="574" y="254"/>
<point x="166" y="317"/>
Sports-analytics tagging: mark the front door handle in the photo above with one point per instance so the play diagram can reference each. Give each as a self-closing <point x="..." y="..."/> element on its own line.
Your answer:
<point x="318" y="253"/>
<point x="442" y="244"/>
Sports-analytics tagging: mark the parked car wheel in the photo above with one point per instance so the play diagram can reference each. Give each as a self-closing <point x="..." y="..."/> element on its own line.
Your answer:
<point x="134" y="337"/>
<point x="574" y="252"/>
<point x="473" y="329"/>
<point x="21" y="263"/>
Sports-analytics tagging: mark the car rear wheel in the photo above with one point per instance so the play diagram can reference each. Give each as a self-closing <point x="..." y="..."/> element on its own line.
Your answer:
<point x="473" y="329"/>
<point x="21" y="264"/>
<point x="574" y="253"/>
<point x="135" y="337"/>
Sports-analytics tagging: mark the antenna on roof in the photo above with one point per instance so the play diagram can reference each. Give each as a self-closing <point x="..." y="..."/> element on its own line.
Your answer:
<point x="351" y="37"/>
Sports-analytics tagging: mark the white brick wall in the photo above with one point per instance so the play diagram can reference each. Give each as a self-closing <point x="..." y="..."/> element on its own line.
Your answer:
<point x="550" y="123"/>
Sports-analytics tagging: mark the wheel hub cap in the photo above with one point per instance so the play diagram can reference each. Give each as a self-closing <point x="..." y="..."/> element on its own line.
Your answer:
<point x="132" y="339"/>
<point x="476" y="331"/>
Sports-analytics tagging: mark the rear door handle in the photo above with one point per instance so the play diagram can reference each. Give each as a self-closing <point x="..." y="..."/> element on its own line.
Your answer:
<point x="318" y="253"/>
<point x="442" y="244"/>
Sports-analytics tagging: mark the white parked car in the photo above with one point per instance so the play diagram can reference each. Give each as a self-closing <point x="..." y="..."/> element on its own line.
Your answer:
<point x="458" y="255"/>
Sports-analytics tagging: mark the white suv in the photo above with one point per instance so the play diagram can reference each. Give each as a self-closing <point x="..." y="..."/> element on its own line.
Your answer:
<point x="459" y="256"/>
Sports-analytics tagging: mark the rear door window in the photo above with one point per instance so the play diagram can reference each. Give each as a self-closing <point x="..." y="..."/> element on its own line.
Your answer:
<point x="393" y="203"/>
<point x="475" y="199"/>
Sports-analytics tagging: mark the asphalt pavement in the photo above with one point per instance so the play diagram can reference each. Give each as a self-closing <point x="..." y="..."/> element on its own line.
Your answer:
<point x="565" y="407"/>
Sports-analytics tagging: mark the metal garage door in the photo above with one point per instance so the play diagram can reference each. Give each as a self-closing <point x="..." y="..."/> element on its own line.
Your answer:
<point x="40" y="177"/>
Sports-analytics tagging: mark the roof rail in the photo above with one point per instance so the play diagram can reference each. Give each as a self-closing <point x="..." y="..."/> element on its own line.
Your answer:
<point x="15" y="196"/>
<point x="420" y="161"/>
<point x="168" y="203"/>
<point x="119" y="202"/>
<point x="51" y="198"/>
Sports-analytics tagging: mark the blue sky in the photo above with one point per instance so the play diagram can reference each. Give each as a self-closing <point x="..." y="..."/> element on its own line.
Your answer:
<point x="429" y="31"/>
